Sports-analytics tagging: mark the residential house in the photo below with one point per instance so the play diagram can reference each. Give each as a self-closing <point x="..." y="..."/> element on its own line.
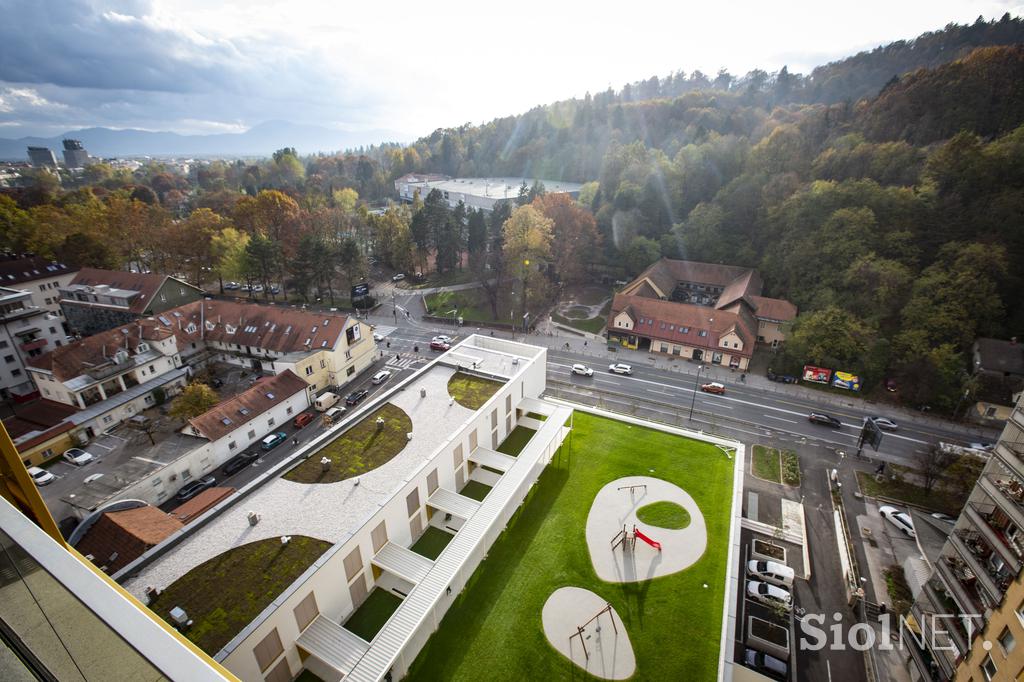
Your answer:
<point x="998" y="368"/>
<point x="40" y="277"/>
<point x="40" y="430"/>
<point x="117" y="537"/>
<point x="26" y="332"/>
<point x="98" y="300"/>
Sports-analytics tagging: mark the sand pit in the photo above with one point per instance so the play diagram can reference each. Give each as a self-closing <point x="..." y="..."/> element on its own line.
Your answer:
<point x="605" y="638"/>
<point x="614" y="508"/>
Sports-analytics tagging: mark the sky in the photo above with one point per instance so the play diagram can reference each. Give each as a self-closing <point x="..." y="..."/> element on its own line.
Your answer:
<point x="202" y="66"/>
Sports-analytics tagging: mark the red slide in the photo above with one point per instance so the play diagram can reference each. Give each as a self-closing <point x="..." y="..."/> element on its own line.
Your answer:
<point x="652" y="543"/>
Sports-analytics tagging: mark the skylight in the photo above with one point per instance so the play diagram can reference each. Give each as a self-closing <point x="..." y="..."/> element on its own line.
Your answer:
<point x="225" y="421"/>
<point x="270" y="395"/>
<point x="164" y="320"/>
<point x="243" y="411"/>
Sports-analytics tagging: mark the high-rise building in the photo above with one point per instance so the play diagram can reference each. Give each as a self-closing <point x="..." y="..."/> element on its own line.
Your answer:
<point x="42" y="157"/>
<point x="971" y="611"/>
<point x="75" y="155"/>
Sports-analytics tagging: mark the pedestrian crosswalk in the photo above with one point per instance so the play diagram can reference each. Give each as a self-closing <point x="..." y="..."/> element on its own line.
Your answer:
<point x="404" y="360"/>
<point x="383" y="329"/>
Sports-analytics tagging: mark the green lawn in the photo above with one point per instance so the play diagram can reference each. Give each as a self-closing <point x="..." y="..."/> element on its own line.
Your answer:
<point x="493" y="630"/>
<point x="790" y="468"/>
<point x="362" y="448"/>
<point x="432" y="542"/>
<point x="516" y="441"/>
<point x="594" y="325"/>
<point x="538" y="417"/>
<point x="224" y="594"/>
<point x="475" y="490"/>
<point x="371" y="615"/>
<point x="306" y="676"/>
<point x="471" y="391"/>
<point x="664" y="514"/>
<point x="766" y="464"/>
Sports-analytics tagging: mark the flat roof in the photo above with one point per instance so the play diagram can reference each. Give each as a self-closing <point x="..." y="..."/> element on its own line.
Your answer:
<point x="496" y="188"/>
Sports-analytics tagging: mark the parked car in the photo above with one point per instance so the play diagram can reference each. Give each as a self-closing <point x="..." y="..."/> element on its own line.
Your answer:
<point x="326" y="400"/>
<point x="302" y="419"/>
<point x="378" y="337"/>
<point x="354" y="397"/>
<point x="380" y="377"/>
<point x="620" y="368"/>
<point x="334" y="413"/>
<point x="245" y="287"/>
<point x="443" y="338"/>
<point x="890" y="385"/>
<point x="193" y="488"/>
<point x="231" y="286"/>
<point x="582" y="370"/>
<point x="945" y="518"/>
<point x="713" y="387"/>
<point x="782" y="378"/>
<point x="41" y="476"/>
<point x="772" y="572"/>
<point x="399" y="277"/>
<point x="77" y="456"/>
<point x="768" y="594"/>
<point x="824" y="420"/>
<point x="239" y="462"/>
<point x="274" y="289"/>
<point x="884" y="423"/>
<point x="900" y="519"/>
<point x="273" y="440"/>
<point x="258" y="289"/>
<point x="439" y="345"/>
<point x="765" y="664"/>
<point x="984" y="446"/>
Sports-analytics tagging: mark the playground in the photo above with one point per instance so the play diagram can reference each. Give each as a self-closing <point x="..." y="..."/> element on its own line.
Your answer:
<point x="669" y="625"/>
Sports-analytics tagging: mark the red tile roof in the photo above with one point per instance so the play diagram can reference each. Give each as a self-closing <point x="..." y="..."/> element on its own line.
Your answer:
<point x="228" y="415"/>
<point x="128" y="533"/>
<point x="30" y="268"/>
<point x="44" y="416"/>
<point x="200" y="503"/>
<point x="682" y="316"/>
<point x="774" y="308"/>
<point x="73" y="359"/>
<point x="147" y="284"/>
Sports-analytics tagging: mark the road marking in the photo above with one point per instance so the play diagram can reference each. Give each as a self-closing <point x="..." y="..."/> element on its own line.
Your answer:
<point x="105" y="447"/>
<point x="772" y="416"/>
<point x="146" y="459"/>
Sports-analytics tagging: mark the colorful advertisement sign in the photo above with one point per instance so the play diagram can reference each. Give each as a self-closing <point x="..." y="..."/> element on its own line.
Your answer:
<point x="851" y="382"/>
<point x="817" y="374"/>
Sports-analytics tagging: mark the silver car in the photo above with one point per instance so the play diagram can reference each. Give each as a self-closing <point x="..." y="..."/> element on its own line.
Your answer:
<point x="78" y="457"/>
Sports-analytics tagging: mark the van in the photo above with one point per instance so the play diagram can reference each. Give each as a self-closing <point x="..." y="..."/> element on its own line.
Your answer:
<point x="325" y="401"/>
<point x="381" y="376"/>
<point x="772" y="572"/>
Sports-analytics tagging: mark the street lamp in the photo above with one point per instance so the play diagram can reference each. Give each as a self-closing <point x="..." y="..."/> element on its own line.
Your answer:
<point x="693" y="399"/>
<point x="452" y="312"/>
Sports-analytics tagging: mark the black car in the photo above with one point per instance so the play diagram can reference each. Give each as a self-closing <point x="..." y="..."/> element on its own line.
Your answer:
<point x="239" y="462"/>
<point x="194" y="488"/>
<point x="354" y="397"/>
<point x="824" y="420"/>
<point x="783" y="378"/>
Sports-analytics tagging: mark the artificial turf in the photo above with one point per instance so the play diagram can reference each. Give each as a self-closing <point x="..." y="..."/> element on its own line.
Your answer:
<point x="224" y="594"/>
<point x="664" y="514"/>
<point x="516" y="441"/>
<point x="371" y="615"/>
<point x="432" y="542"/>
<point x="471" y="391"/>
<point x="475" y="490"/>
<point x="362" y="448"/>
<point x="493" y="630"/>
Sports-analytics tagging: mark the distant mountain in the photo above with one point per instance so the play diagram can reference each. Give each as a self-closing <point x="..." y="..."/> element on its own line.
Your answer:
<point x="261" y="140"/>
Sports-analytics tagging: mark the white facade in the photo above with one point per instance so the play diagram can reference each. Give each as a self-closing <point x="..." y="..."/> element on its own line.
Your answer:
<point x="26" y="331"/>
<point x="481" y="193"/>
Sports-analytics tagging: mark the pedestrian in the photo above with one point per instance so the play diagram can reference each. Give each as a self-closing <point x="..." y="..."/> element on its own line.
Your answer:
<point x="389" y="344"/>
<point x="295" y="441"/>
<point x="584" y="343"/>
<point x="396" y="357"/>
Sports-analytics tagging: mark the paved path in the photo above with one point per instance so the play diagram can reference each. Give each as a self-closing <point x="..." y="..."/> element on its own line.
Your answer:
<point x="608" y="652"/>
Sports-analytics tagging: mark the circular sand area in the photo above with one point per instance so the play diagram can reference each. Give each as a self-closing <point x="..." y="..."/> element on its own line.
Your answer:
<point x="604" y="649"/>
<point x="614" y="508"/>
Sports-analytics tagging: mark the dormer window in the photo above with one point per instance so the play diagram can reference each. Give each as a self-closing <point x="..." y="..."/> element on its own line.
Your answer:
<point x="143" y="347"/>
<point x="210" y="326"/>
<point x="191" y="328"/>
<point x="229" y="329"/>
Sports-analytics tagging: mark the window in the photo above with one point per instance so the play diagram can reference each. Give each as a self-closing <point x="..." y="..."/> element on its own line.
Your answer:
<point x="107" y="419"/>
<point x="457" y="454"/>
<point x="640" y="321"/>
<point x="664" y="348"/>
<point x="186" y="475"/>
<point x="163" y="297"/>
<point x="305" y="612"/>
<point x="1020" y="613"/>
<point x="282" y="672"/>
<point x="508" y="404"/>
<point x="662" y="326"/>
<point x="42" y="287"/>
<point x="350" y="371"/>
<point x="8" y="358"/>
<point x="353" y="563"/>
<point x="309" y="370"/>
<point x="988" y="669"/>
<point x="702" y="332"/>
<point x="267" y="651"/>
<point x="152" y="369"/>
<point x="270" y="422"/>
<point x="472" y="441"/>
<point x="323" y="364"/>
<point x="348" y="355"/>
<point x="148" y="400"/>
<point x="412" y="501"/>
<point x="432" y="482"/>
<point x="1006" y="641"/>
<point x="684" y="330"/>
<point x="15" y="372"/>
<point x="290" y="409"/>
<point x="252" y="434"/>
<point x="232" y="445"/>
<point x="3" y="344"/>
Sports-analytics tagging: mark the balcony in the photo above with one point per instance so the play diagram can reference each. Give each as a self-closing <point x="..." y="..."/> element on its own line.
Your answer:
<point x="995" y="537"/>
<point x="1011" y="455"/>
<point x="108" y="369"/>
<point x="975" y="555"/>
<point x="1017" y="417"/>
<point x="1007" y="493"/>
<point x="942" y="603"/>
<point x="961" y="583"/>
<point x="32" y="345"/>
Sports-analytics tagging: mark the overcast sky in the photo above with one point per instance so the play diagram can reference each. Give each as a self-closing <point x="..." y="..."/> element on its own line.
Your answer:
<point x="201" y="66"/>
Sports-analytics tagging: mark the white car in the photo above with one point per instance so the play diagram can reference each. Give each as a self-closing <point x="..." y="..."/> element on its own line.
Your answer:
<point x="582" y="370"/>
<point x="983" y="446"/>
<point x="900" y="519"/>
<point x="443" y="338"/>
<point x="620" y="368"/>
<point x="884" y="423"/>
<point x="378" y="337"/>
<point x="41" y="476"/>
<point x="399" y="277"/>
<point x="380" y="377"/>
<point x="78" y="457"/>
<point x="769" y="594"/>
<point x="772" y="572"/>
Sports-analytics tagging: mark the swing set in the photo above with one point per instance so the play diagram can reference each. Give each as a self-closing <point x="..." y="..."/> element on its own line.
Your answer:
<point x="581" y="629"/>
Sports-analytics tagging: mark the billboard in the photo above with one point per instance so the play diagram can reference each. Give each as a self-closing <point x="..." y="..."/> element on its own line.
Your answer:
<point x="851" y="382"/>
<point x="360" y="290"/>
<point x="870" y="434"/>
<point x="817" y="374"/>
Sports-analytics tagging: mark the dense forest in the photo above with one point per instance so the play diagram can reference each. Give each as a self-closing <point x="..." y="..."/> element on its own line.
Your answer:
<point x="883" y="194"/>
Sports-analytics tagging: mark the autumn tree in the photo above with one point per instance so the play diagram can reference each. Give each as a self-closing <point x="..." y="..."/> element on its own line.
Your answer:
<point x="575" y="239"/>
<point x="228" y="249"/>
<point x="195" y="399"/>
<point x="527" y="246"/>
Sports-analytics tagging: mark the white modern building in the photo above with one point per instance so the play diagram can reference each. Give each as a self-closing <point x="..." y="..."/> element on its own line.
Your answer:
<point x="26" y="333"/>
<point x="40" y="277"/>
<point x="481" y="193"/>
<point x="374" y="519"/>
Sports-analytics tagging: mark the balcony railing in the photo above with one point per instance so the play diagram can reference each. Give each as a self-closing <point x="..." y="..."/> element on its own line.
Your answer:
<point x="961" y="583"/>
<point x="109" y="369"/>
<point x="1011" y="454"/>
<point x="33" y="345"/>
<point x="1008" y="495"/>
<point x="996" y="537"/>
<point x="975" y="554"/>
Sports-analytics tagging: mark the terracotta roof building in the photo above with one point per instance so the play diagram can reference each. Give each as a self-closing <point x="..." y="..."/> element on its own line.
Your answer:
<point x="247" y="407"/>
<point x="97" y="300"/>
<point x="199" y="504"/>
<point x="117" y="538"/>
<point x="695" y="310"/>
